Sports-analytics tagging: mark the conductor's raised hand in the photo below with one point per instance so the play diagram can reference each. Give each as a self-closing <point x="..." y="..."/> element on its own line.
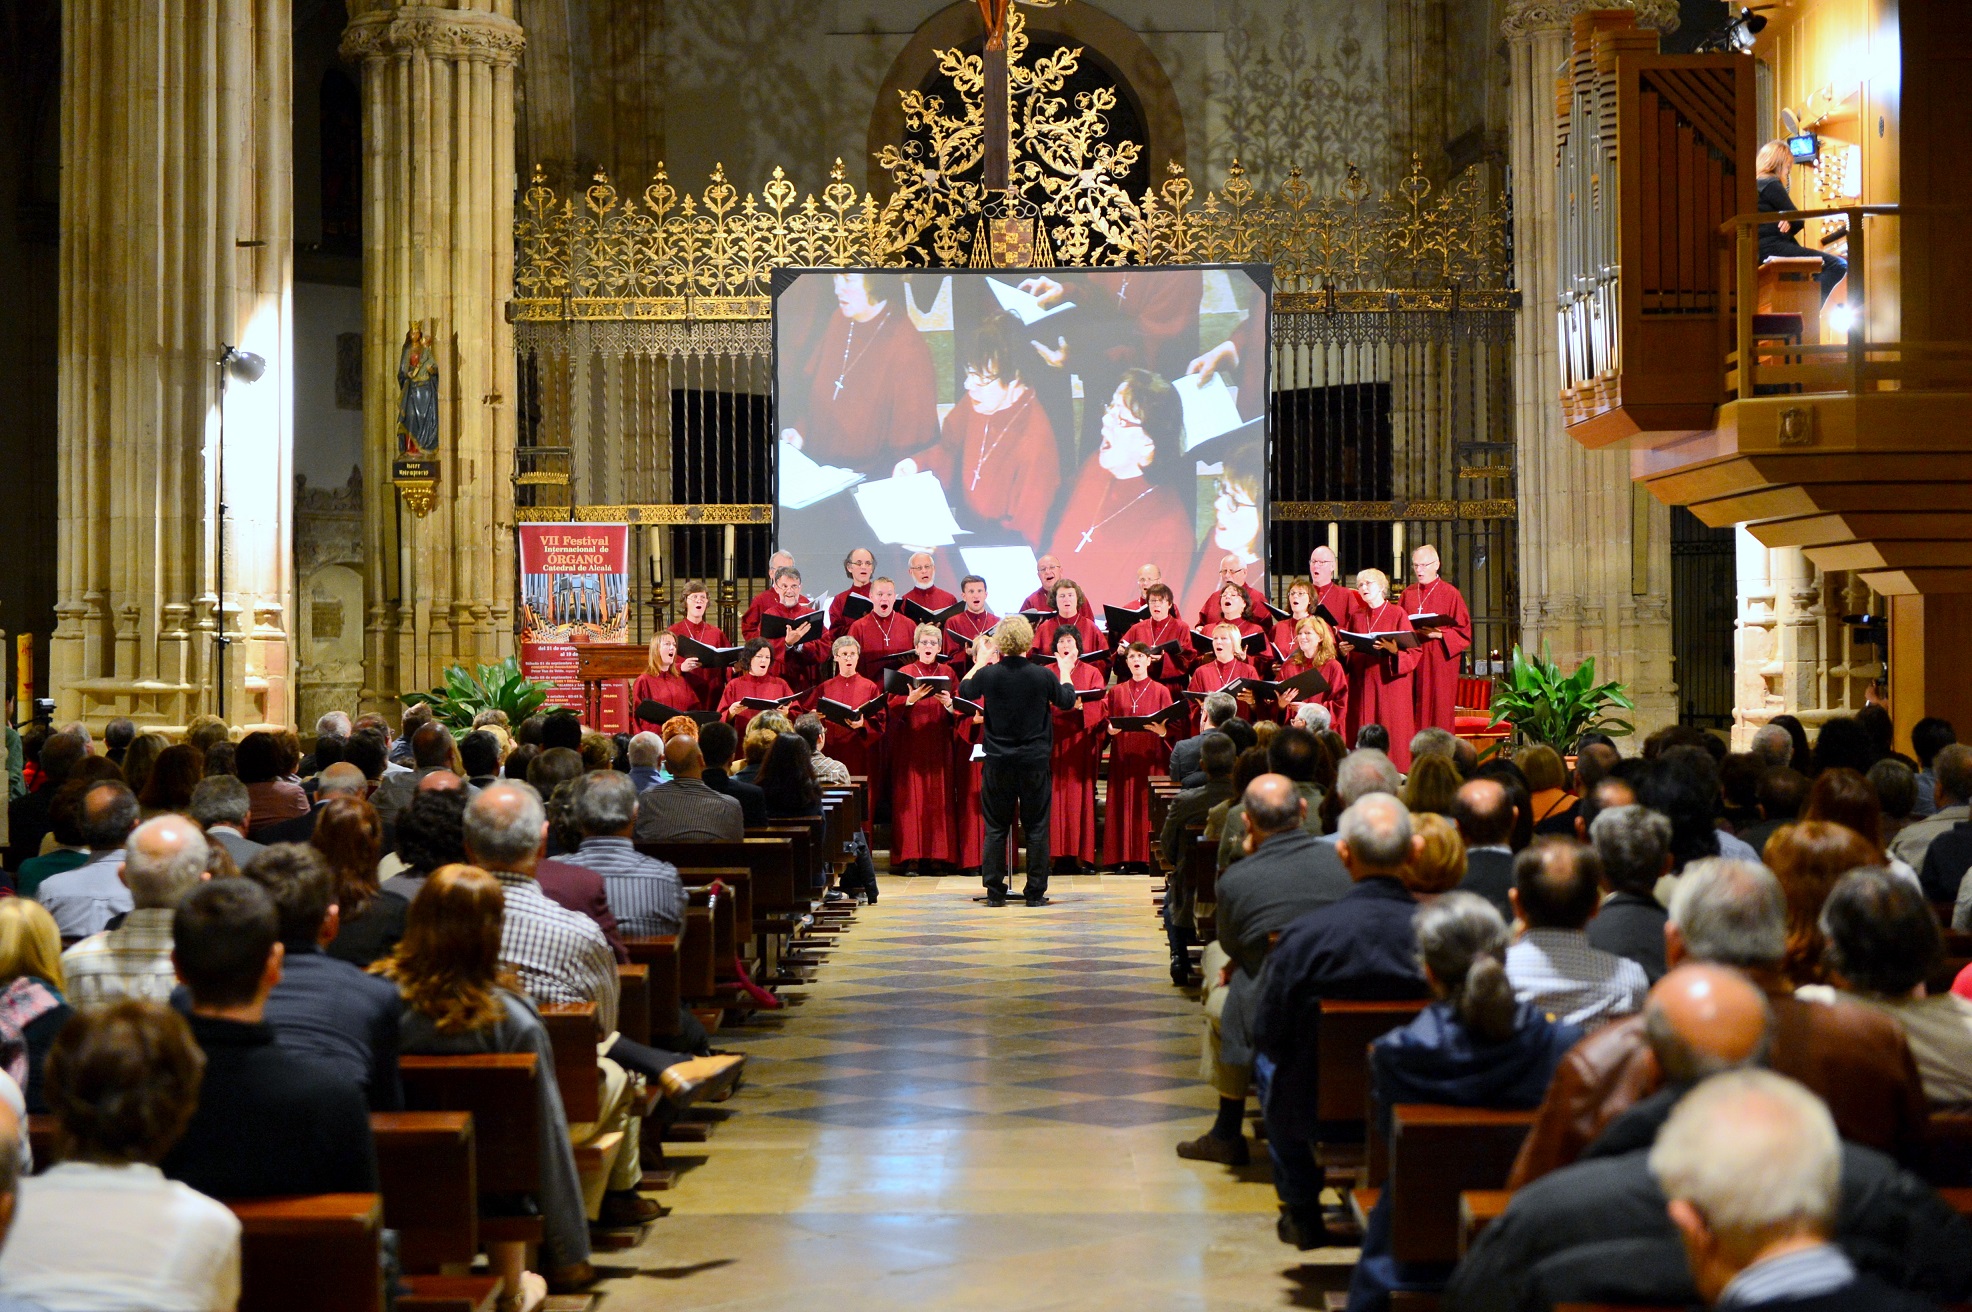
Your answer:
<point x="1222" y="356"/>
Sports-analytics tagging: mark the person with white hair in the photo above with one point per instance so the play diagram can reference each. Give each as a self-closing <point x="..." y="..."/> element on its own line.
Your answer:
<point x="1361" y="946"/>
<point x="163" y="860"/>
<point x="1751" y="1169"/>
<point x="646" y="751"/>
<point x="1771" y="747"/>
<point x="1313" y="717"/>
<point x="1361" y="773"/>
<point x="1380" y="672"/>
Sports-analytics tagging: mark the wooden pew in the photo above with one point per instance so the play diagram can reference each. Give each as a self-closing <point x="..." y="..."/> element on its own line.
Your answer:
<point x="698" y="946"/>
<point x="309" y="1253"/>
<point x="430" y="1186"/>
<point x="1436" y="1154"/>
<point x="1201" y="872"/>
<point x="732" y="922"/>
<point x="1477" y="1209"/>
<point x="633" y="1014"/>
<point x="659" y="958"/>
<point x="41" y="1140"/>
<point x="1343" y="1033"/>
<point x="770" y="861"/>
<point x="498" y="1089"/>
<point x="572" y="1031"/>
<point x="1948" y="1150"/>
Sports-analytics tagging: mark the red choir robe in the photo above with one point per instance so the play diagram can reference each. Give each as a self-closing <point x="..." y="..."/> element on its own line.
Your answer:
<point x="1434" y="687"/>
<point x="1209" y="610"/>
<point x="1282" y="637"/>
<point x="1111" y="526"/>
<point x="673" y="690"/>
<point x="746" y="685"/>
<point x="931" y="598"/>
<point x="1380" y="685"/>
<point x="750" y="622"/>
<point x="880" y="636"/>
<point x="1345" y="604"/>
<point x="857" y="749"/>
<point x="838" y="622"/>
<point x="1037" y="600"/>
<point x="961" y="629"/>
<point x="1077" y="751"/>
<point x="966" y="733"/>
<point x="886" y="407"/>
<point x="1134" y="756"/>
<point x="706" y="682"/>
<point x="1003" y="468"/>
<point x="1336" y="698"/>
<point x="918" y="743"/>
<point x="1212" y="676"/>
<point x="1085" y="628"/>
<point x="801" y="666"/>
<point x="1166" y="669"/>
<point x="1261" y="662"/>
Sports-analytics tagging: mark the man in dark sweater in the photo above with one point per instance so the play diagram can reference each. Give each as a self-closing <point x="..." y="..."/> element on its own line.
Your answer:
<point x="269" y="1121"/>
<point x="1020" y="698"/>
<point x="718" y="742"/>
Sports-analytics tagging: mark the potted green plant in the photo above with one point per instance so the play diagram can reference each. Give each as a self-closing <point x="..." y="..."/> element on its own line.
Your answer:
<point x="1547" y="706"/>
<point x="499" y="687"/>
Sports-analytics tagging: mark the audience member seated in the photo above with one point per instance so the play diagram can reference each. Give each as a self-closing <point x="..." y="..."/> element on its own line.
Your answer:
<point x="430" y="834"/>
<point x="431" y="749"/>
<point x="1285" y="873"/>
<point x="269" y="1122"/>
<point x="260" y="765"/>
<point x="688" y="809"/>
<point x="479" y="758"/>
<point x="1247" y="766"/>
<point x="646" y="755"/>
<point x="1881" y="944"/>
<point x="337" y="779"/>
<point x="459" y="1000"/>
<point x="1187" y="809"/>
<point x="1752" y="1169"/>
<point x="1359" y="947"/>
<point x="66" y="850"/>
<point x="84" y="900"/>
<point x="323" y="1008"/>
<point x="1634" y="845"/>
<point x="1951" y="791"/>
<point x="1486" y="816"/>
<point x="1807" y="858"/>
<point x="349" y="835"/>
<point x="1439" y="866"/>
<point x="1357" y="775"/>
<point x="1557" y="884"/>
<point x="1733" y="913"/>
<point x="13" y="1129"/>
<point x="1928" y="737"/>
<point x="220" y="806"/>
<point x="788" y="779"/>
<point x="1847" y="798"/>
<point x="717" y="742"/>
<point x="1598" y="1230"/>
<point x="1895" y="786"/>
<point x="27" y="817"/>
<point x="1475" y="1046"/>
<point x="1217" y="710"/>
<point x="829" y="772"/>
<point x="164" y="859"/>
<point x="1782" y="792"/>
<point x="1547" y="783"/>
<point x="31" y="992"/>
<point x="104" y="1228"/>
<point x="1739" y="789"/>
<point x="644" y="893"/>
<point x="1432" y="785"/>
<point x="169" y="783"/>
<point x="1296" y="755"/>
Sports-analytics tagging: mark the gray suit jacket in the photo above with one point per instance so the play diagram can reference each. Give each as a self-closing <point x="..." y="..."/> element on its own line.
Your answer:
<point x="688" y="811"/>
<point x="238" y="846"/>
<point x="1290" y="875"/>
<point x="1232" y="839"/>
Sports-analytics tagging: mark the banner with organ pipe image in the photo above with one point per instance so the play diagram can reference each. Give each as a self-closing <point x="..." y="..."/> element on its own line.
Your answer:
<point x="574" y="588"/>
<point x="1109" y="417"/>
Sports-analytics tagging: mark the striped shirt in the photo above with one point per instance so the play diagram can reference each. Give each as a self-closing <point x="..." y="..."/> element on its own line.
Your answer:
<point x="560" y="956"/>
<point x="131" y="961"/>
<point x="645" y="894"/>
<point x="1791" y="1277"/>
<point x="1557" y="971"/>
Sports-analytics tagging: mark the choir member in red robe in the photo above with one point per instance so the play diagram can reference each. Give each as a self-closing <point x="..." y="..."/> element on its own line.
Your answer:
<point x="860" y="566"/>
<point x="1077" y="749"/>
<point x="663" y="681"/>
<point x="1380" y="679"/>
<point x="1134" y="756"/>
<point x="1435" y="685"/>
<point x="924" y="584"/>
<point x="1222" y="669"/>
<point x="1343" y="604"/>
<point x="1071" y="611"/>
<point x="750" y="622"/>
<point x="1314" y="649"/>
<point x="1048" y="570"/>
<point x="872" y="396"/>
<point x="855" y="744"/>
<point x="704" y="680"/>
<point x="795" y="656"/>
<point x="882" y="632"/>
<point x="1231" y="570"/>
<point x="969" y="623"/>
<point x="1125" y="504"/>
<point x="918" y="742"/>
<point x="1163" y="626"/>
<point x="754" y="680"/>
<point x="1300" y="605"/>
<point x="1232" y="610"/>
<point x="999" y="461"/>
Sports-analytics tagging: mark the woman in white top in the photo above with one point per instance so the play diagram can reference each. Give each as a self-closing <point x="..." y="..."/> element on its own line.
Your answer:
<point x="103" y="1230"/>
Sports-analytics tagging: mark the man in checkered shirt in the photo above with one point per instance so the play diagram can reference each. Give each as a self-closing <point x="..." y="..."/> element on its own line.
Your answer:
<point x="163" y="860"/>
<point x="1557" y="887"/>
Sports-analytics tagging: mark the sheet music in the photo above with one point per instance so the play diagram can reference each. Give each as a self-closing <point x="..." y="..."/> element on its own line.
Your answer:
<point x="909" y="510"/>
<point x="803" y="482"/>
<point x="1209" y="409"/>
<point x="1008" y="571"/>
<point x="1024" y="305"/>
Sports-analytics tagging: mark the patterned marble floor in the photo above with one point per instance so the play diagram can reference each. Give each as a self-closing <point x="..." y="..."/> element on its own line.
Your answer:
<point x="971" y="1108"/>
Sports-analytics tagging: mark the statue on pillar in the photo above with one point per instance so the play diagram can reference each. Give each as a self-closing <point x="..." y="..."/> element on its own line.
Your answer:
<point x="417" y="407"/>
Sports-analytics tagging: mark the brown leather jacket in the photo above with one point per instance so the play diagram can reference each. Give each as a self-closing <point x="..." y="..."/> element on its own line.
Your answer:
<point x="1855" y="1058"/>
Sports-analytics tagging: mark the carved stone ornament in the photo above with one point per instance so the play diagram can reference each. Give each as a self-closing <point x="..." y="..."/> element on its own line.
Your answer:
<point x="436" y="33"/>
<point x="1529" y="17"/>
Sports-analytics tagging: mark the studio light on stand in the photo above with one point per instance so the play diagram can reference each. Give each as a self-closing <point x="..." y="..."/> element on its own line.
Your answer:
<point x="247" y="367"/>
<point x="1736" y="36"/>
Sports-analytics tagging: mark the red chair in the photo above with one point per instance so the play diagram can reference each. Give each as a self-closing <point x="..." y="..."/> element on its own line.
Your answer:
<point x="1471" y="714"/>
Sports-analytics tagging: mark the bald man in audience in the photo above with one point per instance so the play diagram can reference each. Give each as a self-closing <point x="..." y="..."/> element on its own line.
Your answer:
<point x="687" y="809"/>
<point x="1485" y="815"/>
<point x="164" y="859"/>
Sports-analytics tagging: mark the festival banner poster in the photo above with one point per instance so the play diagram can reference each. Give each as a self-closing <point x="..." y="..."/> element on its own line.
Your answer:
<point x="574" y="589"/>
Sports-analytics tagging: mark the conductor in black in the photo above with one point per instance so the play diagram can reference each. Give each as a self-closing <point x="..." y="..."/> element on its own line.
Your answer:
<point x="1020" y="697"/>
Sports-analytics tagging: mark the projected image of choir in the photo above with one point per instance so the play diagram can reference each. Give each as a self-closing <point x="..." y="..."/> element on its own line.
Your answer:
<point x="887" y="686"/>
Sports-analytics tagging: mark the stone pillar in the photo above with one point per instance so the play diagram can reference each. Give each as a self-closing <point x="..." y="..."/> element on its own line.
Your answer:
<point x="438" y="187"/>
<point x="1595" y="551"/>
<point x="176" y="199"/>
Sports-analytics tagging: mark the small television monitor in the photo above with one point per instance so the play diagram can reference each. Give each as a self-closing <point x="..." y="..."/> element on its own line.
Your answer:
<point x="1804" y="148"/>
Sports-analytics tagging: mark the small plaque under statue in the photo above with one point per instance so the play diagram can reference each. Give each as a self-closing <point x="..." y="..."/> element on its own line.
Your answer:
<point x="417" y="483"/>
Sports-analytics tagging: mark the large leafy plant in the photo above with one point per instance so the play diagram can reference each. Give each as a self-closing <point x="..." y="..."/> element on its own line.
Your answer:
<point x="499" y="687"/>
<point x="1546" y="706"/>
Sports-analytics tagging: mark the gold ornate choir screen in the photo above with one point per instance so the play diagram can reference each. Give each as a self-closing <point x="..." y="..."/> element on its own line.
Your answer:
<point x="645" y="343"/>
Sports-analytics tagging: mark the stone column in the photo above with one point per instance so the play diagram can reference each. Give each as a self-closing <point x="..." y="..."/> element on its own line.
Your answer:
<point x="176" y="198"/>
<point x="438" y="187"/>
<point x="1595" y="554"/>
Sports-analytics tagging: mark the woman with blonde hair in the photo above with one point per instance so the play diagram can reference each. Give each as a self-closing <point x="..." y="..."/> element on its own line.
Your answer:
<point x="1380" y="675"/>
<point x="1431" y="786"/>
<point x="662" y="685"/>
<point x="1780" y="240"/>
<point x="1547" y="781"/>
<point x="1439" y="866"/>
<point x="854" y="740"/>
<point x="1314" y="649"/>
<point x="32" y="1008"/>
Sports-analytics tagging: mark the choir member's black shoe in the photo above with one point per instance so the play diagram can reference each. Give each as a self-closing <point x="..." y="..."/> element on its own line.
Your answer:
<point x="1035" y="899"/>
<point x="996" y="897"/>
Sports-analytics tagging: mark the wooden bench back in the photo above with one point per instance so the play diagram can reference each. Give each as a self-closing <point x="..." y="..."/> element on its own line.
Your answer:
<point x="1437" y="1153"/>
<point x="571" y="1030"/>
<point x="498" y="1089"/>
<point x="1948" y="1150"/>
<point x="659" y="956"/>
<point x="1343" y="1033"/>
<point x="318" y="1253"/>
<point x="770" y="860"/>
<point x="430" y="1183"/>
